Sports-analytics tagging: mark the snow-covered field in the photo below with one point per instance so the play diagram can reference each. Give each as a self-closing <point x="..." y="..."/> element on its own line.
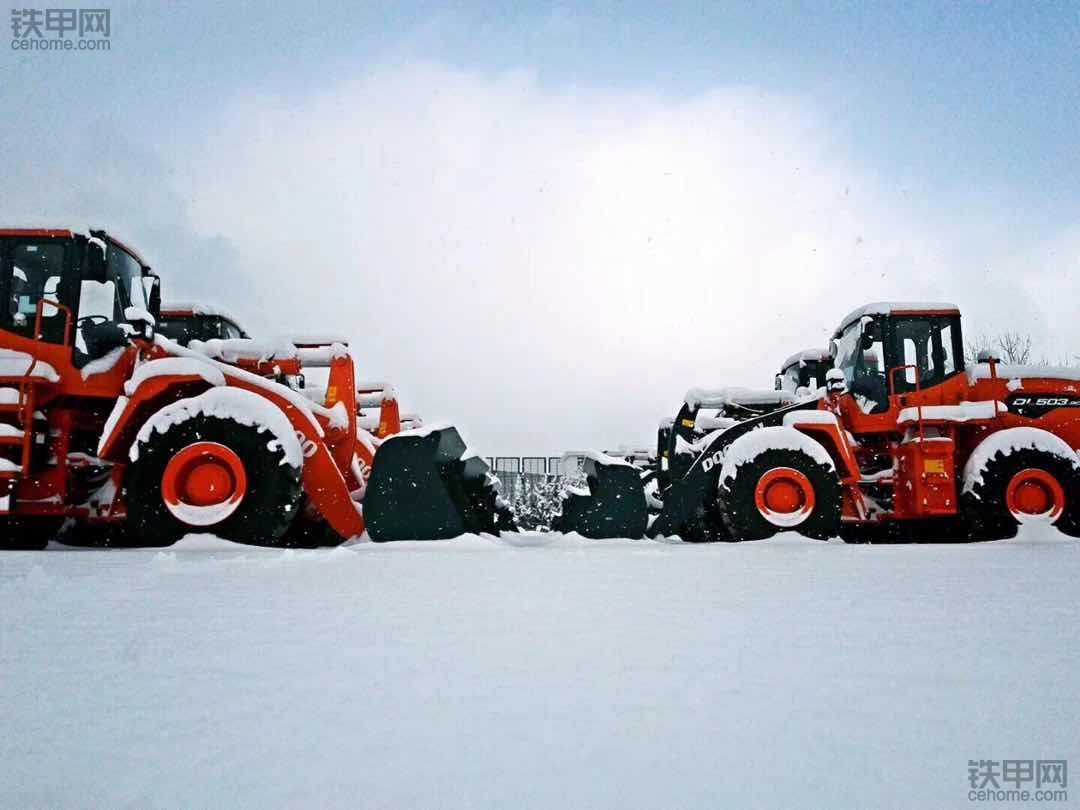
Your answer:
<point x="534" y="671"/>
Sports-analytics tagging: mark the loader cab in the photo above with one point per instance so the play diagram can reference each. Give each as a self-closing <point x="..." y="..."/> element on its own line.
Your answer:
<point x="187" y="322"/>
<point x="62" y="288"/>
<point x="897" y="349"/>
<point x="805" y="369"/>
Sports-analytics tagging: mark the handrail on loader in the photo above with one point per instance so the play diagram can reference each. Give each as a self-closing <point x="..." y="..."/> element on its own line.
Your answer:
<point x="918" y="390"/>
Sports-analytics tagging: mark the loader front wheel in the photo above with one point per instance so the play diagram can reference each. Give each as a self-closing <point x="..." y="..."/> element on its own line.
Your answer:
<point x="781" y="489"/>
<point x="215" y="475"/>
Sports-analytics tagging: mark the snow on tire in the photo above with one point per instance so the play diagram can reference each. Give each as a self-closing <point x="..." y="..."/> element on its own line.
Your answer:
<point x="225" y="463"/>
<point x="777" y="479"/>
<point x="1021" y="475"/>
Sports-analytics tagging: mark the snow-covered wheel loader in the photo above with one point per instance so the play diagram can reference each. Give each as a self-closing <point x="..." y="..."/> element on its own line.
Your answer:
<point x="139" y="440"/>
<point x="601" y="508"/>
<point x="904" y="443"/>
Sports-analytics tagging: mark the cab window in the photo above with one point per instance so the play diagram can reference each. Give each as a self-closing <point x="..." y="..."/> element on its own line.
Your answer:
<point x="928" y="351"/>
<point x="230" y="331"/>
<point x="860" y="355"/>
<point x="33" y="271"/>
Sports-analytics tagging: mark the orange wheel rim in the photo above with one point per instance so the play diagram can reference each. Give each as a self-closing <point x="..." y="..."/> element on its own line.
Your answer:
<point x="1035" y="494"/>
<point x="203" y="483"/>
<point x="784" y="497"/>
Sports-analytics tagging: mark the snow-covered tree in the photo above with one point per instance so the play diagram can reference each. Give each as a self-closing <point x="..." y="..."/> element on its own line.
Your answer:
<point x="1013" y="348"/>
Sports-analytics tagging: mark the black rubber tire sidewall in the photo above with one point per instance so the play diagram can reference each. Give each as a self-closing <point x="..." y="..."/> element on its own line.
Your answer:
<point x="984" y="508"/>
<point x="309" y="531"/>
<point x="270" y="504"/>
<point x="28" y="533"/>
<point x="739" y="509"/>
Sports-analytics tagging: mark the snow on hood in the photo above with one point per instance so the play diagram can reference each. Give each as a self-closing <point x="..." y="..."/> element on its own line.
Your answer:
<point x="720" y="397"/>
<point x="981" y="371"/>
<point x="233" y="350"/>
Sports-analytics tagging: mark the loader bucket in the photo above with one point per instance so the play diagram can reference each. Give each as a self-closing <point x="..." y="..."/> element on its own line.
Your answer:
<point x="422" y="489"/>
<point x="615" y="505"/>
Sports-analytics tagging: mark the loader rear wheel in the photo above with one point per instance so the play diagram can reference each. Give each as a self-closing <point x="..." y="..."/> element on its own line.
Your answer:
<point x="28" y="533"/>
<point x="212" y="474"/>
<point x="1026" y="485"/>
<point x="781" y="489"/>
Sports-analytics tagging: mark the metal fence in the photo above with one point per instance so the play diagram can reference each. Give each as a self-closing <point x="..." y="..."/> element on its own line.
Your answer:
<point x="516" y="473"/>
<point x="536" y="465"/>
<point x="532" y="485"/>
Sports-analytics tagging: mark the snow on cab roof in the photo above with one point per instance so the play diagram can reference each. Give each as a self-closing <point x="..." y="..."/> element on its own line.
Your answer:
<point x="898" y="308"/>
<point x="46" y="232"/>
<point x="62" y="233"/>
<point x="807" y="356"/>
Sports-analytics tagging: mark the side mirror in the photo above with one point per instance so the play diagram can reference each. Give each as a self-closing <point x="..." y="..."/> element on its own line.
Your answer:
<point x="94" y="267"/>
<point x="871" y="334"/>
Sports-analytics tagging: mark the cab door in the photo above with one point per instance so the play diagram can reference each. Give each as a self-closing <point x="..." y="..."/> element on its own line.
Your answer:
<point x="35" y="269"/>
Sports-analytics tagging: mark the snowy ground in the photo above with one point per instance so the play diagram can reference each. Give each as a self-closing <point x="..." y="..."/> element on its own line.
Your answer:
<point x="537" y="671"/>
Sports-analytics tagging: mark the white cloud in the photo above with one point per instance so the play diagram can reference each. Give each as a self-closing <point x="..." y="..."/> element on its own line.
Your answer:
<point x="554" y="267"/>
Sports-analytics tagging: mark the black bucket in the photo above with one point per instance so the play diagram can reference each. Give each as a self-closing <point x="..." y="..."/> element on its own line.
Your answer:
<point x="614" y="507"/>
<point x="422" y="489"/>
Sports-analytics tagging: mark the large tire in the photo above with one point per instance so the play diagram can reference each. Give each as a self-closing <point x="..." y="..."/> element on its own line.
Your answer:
<point x="268" y="501"/>
<point x="985" y="506"/>
<point x="82" y="534"/>
<point x="706" y="525"/>
<point x="308" y="531"/>
<point x="27" y="533"/>
<point x="813" y="487"/>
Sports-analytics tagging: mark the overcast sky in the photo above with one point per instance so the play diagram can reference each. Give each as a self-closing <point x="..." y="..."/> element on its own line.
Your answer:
<point x="545" y="224"/>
